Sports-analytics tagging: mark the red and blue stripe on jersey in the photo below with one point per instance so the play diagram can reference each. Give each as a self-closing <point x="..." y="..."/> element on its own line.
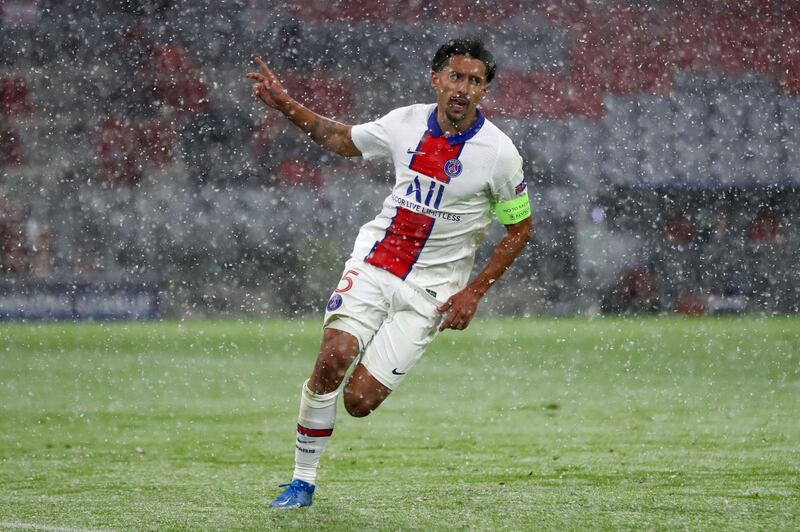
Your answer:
<point x="409" y="231"/>
<point x="400" y="248"/>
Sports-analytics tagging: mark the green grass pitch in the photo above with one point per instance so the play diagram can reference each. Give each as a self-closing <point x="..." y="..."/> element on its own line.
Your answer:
<point x="513" y="424"/>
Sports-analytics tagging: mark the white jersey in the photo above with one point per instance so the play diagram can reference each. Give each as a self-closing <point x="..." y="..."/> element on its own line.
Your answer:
<point x="441" y="205"/>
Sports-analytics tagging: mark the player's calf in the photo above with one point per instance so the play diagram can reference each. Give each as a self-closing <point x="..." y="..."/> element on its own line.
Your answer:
<point x="363" y="393"/>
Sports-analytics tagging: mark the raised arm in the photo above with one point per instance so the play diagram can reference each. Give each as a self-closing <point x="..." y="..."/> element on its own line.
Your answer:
<point x="331" y="135"/>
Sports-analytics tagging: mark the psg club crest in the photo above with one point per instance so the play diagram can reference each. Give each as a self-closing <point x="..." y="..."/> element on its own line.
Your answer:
<point x="334" y="302"/>
<point x="453" y="168"/>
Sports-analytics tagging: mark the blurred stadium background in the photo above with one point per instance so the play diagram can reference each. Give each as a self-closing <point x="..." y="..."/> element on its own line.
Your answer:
<point x="137" y="178"/>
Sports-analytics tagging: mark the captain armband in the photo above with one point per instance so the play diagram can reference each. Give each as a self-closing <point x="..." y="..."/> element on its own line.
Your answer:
<point x="513" y="211"/>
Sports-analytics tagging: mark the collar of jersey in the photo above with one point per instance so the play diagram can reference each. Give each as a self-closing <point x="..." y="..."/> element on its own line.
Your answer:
<point x="459" y="138"/>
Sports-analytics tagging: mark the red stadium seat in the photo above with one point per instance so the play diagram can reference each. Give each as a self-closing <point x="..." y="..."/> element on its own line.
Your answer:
<point x="156" y="141"/>
<point x="622" y="53"/>
<point x="117" y="152"/>
<point x="299" y="173"/>
<point x="325" y="94"/>
<point x="786" y="50"/>
<point x="691" y="304"/>
<point x="479" y="12"/>
<point x="14" y="97"/>
<point x="366" y="10"/>
<point x="629" y="50"/>
<point x="765" y="228"/>
<point x="174" y="78"/>
<point x="544" y="95"/>
<point x="405" y="11"/>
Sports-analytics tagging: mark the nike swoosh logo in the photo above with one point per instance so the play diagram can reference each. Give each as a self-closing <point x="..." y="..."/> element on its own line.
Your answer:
<point x="305" y="441"/>
<point x="395" y="372"/>
<point x="414" y="152"/>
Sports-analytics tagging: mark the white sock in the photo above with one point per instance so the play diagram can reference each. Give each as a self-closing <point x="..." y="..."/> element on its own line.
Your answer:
<point x="314" y="429"/>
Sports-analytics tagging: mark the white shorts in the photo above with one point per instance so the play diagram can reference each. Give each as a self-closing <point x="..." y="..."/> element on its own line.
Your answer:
<point x="392" y="320"/>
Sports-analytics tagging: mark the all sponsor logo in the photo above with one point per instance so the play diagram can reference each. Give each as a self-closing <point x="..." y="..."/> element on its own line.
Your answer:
<point x="432" y="197"/>
<point x="519" y="189"/>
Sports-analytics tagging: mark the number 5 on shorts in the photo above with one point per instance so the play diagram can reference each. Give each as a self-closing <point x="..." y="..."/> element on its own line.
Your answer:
<point x="347" y="279"/>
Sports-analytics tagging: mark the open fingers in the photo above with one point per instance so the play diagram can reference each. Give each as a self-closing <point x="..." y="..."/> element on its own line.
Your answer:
<point x="263" y="66"/>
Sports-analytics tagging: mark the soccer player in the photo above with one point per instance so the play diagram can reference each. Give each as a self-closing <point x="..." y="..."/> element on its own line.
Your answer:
<point x="408" y="276"/>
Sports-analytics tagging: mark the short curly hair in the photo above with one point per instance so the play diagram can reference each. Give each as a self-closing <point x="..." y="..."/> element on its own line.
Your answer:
<point x="471" y="46"/>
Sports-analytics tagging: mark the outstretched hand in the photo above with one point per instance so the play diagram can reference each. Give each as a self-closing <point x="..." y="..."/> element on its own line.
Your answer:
<point x="459" y="309"/>
<point x="267" y="88"/>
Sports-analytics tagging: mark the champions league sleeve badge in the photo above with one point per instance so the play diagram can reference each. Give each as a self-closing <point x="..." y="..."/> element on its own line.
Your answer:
<point x="453" y="168"/>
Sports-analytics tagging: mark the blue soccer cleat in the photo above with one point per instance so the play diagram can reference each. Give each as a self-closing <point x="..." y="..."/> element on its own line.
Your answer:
<point x="296" y="495"/>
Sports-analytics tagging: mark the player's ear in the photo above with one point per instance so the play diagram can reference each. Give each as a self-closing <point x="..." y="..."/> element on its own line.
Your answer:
<point x="484" y="89"/>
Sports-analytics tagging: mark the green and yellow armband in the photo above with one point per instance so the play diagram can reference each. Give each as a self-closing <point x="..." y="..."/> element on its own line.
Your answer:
<point x="513" y="211"/>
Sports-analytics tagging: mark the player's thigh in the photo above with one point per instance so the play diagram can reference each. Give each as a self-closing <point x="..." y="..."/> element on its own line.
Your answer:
<point x="358" y="305"/>
<point x="399" y="344"/>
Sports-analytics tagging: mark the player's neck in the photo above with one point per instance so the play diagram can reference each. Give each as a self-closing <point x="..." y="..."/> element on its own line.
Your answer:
<point x="450" y="128"/>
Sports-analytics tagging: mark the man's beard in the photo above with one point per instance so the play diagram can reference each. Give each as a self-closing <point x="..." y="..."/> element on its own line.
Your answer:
<point x="455" y="119"/>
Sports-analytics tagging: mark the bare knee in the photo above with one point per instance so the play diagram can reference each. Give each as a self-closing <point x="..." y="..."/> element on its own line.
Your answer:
<point x="331" y="367"/>
<point x="337" y="352"/>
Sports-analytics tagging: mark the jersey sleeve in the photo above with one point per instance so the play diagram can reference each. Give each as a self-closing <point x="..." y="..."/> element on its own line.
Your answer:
<point x="509" y="189"/>
<point x="373" y="138"/>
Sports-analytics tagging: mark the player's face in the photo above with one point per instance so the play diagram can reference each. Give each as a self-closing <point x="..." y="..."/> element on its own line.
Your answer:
<point x="460" y="86"/>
